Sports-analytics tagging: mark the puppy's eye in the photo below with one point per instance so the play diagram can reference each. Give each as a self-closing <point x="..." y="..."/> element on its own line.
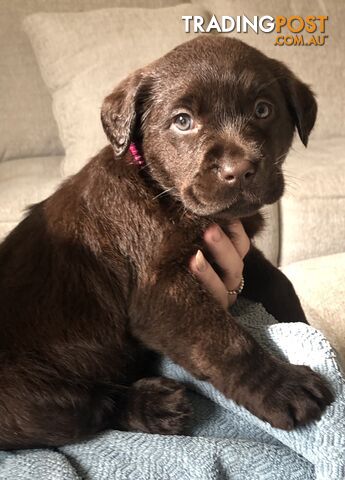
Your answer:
<point x="183" y="122"/>
<point x="262" y="109"/>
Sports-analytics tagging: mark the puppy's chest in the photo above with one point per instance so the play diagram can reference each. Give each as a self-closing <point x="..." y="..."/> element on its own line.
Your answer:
<point x="169" y="241"/>
<point x="158" y="235"/>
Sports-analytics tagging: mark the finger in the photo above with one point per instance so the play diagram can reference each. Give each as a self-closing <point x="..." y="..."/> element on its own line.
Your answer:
<point x="239" y="238"/>
<point x="209" y="278"/>
<point x="225" y="255"/>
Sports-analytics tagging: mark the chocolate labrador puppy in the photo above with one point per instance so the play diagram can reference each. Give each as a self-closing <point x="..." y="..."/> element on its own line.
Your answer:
<point x="96" y="277"/>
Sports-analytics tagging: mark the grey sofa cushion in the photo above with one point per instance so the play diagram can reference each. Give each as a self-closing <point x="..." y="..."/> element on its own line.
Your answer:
<point x="312" y="210"/>
<point x="23" y="182"/>
<point x="320" y="284"/>
<point x="27" y="125"/>
<point x="268" y="240"/>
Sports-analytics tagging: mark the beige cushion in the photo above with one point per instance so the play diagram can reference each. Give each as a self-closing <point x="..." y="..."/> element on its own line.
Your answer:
<point x="27" y="126"/>
<point x="320" y="284"/>
<point x="320" y="66"/>
<point x="268" y="240"/>
<point x="23" y="182"/>
<point x="313" y="208"/>
<point x="84" y="55"/>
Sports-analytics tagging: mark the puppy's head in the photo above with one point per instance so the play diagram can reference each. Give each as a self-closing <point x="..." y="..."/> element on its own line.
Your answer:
<point x="214" y="119"/>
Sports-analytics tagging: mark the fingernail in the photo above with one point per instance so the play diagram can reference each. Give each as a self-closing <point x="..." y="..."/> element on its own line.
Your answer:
<point x="216" y="235"/>
<point x="200" y="261"/>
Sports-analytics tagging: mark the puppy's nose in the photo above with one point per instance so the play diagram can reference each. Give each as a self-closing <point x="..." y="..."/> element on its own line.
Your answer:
<point x="243" y="171"/>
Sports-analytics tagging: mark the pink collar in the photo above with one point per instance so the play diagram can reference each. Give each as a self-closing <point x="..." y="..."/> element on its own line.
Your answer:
<point x="137" y="158"/>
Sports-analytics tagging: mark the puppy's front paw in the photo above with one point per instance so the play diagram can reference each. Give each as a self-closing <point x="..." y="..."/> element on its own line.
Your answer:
<point x="159" y="405"/>
<point x="298" y="397"/>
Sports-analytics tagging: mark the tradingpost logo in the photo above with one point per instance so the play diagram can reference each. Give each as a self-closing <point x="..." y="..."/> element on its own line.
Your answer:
<point x="295" y="30"/>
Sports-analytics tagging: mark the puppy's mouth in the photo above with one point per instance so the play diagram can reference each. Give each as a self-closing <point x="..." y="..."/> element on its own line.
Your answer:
<point x="240" y="203"/>
<point x="208" y="198"/>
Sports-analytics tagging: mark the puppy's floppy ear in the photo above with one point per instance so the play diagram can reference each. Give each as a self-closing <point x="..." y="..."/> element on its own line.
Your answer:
<point x="301" y="102"/>
<point x="119" y="111"/>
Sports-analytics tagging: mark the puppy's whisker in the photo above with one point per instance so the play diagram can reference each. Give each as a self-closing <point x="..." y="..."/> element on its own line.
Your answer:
<point x="292" y="182"/>
<point x="147" y="164"/>
<point x="183" y="213"/>
<point x="278" y="159"/>
<point x="163" y="193"/>
<point x="290" y="188"/>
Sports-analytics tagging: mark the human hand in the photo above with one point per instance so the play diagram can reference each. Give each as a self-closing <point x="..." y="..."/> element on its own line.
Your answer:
<point x="229" y="255"/>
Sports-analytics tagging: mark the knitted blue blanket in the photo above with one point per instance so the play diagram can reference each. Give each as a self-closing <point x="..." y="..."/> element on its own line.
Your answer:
<point x="226" y="442"/>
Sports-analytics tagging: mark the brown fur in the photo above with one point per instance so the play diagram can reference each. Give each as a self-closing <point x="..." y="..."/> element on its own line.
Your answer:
<point x="95" y="278"/>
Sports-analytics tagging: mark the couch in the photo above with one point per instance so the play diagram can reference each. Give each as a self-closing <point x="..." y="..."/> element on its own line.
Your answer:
<point x="305" y="232"/>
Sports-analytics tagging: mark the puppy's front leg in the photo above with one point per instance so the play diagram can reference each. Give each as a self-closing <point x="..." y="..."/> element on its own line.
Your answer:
<point x="176" y="317"/>
<point x="266" y="284"/>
